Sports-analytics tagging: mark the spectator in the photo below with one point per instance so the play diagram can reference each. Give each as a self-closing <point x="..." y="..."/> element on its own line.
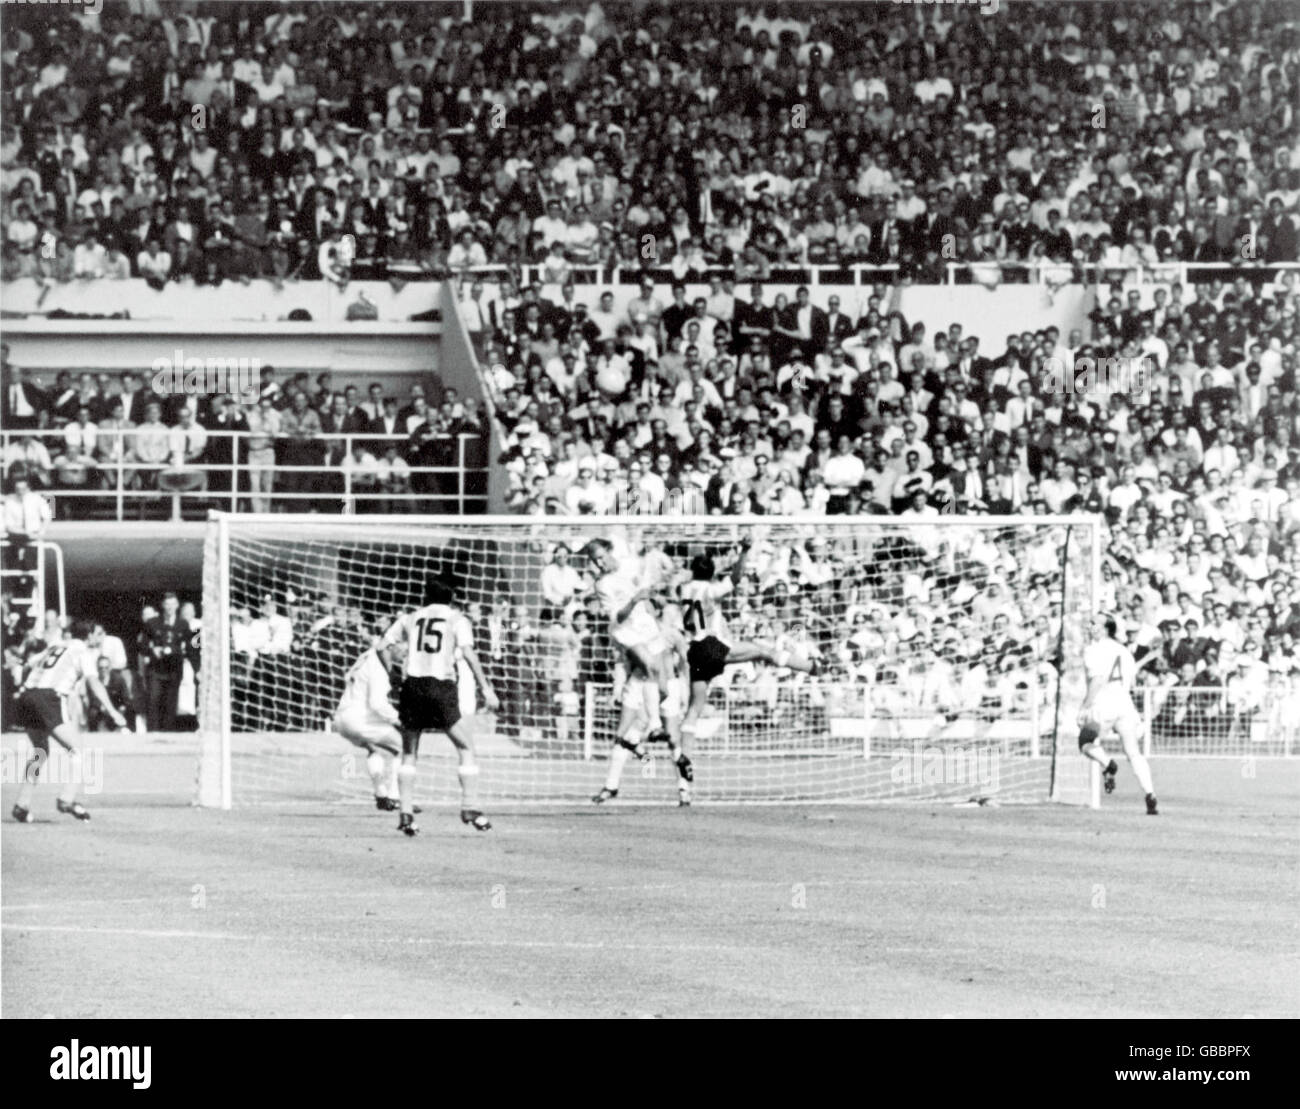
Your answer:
<point x="164" y="638"/>
<point x="26" y="516"/>
<point x="187" y="446"/>
<point x="300" y="445"/>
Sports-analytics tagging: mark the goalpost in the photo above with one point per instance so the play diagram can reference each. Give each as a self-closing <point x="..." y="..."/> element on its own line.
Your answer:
<point x="951" y="646"/>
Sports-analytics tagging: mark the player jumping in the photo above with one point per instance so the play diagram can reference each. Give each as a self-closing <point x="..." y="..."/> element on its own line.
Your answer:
<point x="710" y="653"/>
<point x="632" y="623"/>
<point x="367" y="719"/>
<point x="429" y="700"/>
<point x="634" y="723"/>
<point x="1108" y="706"/>
<point x="53" y="676"/>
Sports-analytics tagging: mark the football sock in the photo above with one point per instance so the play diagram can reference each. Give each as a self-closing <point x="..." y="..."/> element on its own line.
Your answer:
<point x="68" y="793"/>
<point x="375" y="767"/>
<point x="688" y="738"/>
<point x="1142" y="771"/>
<point x="617" y="760"/>
<point x="468" y="775"/>
<point x="1097" y="753"/>
<point x="29" y="782"/>
<point x="406" y="786"/>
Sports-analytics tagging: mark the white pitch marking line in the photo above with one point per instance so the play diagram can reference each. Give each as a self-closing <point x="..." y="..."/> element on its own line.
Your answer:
<point x="425" y="941"/>
<point x="146" y="932"/>
<point x="373" y="895"/>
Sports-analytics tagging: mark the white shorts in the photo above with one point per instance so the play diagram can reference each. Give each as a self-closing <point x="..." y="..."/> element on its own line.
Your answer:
<point x="360" y="726"/>
<point x="1112" y="709"/>
<point x="639" y="630"/>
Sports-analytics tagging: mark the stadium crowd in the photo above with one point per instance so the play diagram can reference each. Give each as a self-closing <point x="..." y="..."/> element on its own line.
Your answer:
<point x="734" y="145"/>
<point x="790" y="410"/>
<point x="298" y="438"/>
<point x="296" y="141"/>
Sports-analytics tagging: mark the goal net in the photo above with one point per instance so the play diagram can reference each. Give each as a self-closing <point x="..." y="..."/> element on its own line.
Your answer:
<point x="950" y="653"/>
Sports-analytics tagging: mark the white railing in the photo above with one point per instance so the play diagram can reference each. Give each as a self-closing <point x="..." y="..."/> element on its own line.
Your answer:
<point x="126" y="481"/>
<point x="1234" y="720"/>
<point x="1042" y="272"/>
<point x="34" y="600"/>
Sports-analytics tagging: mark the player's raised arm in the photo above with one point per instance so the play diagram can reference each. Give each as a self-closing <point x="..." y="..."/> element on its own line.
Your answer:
<point x="738" y="570"/>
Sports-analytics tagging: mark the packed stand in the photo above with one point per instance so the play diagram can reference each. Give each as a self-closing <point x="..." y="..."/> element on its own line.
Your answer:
<point x="303" y="445"/>
<point x="789" y="409"/>
<point x="295" y="141"/>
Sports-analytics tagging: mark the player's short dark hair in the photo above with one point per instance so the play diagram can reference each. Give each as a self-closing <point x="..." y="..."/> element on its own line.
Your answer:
<point x="1112" y="628"/>
<point x="702" y="567"/>
<point x="439" y="589"/>
<point x="595" y="545"/>
<point x="80" y="629"/>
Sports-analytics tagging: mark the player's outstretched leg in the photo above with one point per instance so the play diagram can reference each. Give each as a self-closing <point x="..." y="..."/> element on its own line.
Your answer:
<point x="1090" y="745"/>
<point x="468" y="772"/>
<point x="1128" y="730"/>
<point x="777" y="656"/>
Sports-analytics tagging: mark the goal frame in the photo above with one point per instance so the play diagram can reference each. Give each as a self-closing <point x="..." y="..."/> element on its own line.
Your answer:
<point x="214" y="785"/>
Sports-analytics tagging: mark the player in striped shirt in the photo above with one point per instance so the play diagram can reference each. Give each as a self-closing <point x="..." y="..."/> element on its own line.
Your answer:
<point x="1108" y="707"/>
<point x="711" y="650"/>
<point x="366" y="719"/>
<point x="52" y="678"/>
<point x="432" y="639"/>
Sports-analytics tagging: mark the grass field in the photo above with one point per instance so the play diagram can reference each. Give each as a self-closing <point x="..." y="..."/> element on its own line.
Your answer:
<point x="155" y="909"/>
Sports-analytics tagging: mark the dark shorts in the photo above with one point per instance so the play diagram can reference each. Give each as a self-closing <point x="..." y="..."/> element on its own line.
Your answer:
<point x="707" y="658"/>
<point x="39" y="710"/>
<point x="428" y="704"/>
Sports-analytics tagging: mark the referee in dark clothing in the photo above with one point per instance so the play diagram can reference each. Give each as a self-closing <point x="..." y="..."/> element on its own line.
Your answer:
<point x="165" y="639"/>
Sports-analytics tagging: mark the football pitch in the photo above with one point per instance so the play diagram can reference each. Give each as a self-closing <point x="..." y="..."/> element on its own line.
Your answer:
<point x="157" y="909"/>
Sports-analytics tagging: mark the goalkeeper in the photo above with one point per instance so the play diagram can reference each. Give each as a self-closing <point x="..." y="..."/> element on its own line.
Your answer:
<point x="633" y="730"/>
<point x="632" y="623"/>
<point x="367" y="719"/>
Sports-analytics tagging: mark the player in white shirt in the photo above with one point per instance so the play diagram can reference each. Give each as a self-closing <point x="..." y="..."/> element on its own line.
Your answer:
<point x="1108" y="707"/>
<point x="428" y="700"/>
<point x="624" y="595"/>
<point x="634" y="721"/>
<point x="711" y="650"/>
<point x="52" y="677"/>
<point x="366" y="719"/>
